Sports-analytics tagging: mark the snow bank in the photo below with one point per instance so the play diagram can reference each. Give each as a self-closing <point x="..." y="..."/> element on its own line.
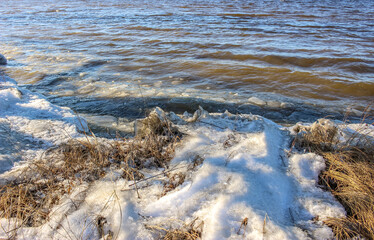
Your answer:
<point x="244" y="186"/>
<point x="28" y="123"/>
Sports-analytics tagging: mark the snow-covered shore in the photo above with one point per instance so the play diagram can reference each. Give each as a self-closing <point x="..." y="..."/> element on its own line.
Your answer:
<point x="247" y="186"/>
<point x="29" y="123"/>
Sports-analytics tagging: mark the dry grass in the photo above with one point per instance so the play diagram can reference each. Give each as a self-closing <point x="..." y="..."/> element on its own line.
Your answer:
<point x="174" y="180"/>
<point x="189" y="231"/>
<point x="243" y="225"/>
<point x="177" y="234"/>
<point x="150" y="151"/>
<point x="349" y="175"/>
<point x="30" y="197"/>
<point x="320" y="137"/>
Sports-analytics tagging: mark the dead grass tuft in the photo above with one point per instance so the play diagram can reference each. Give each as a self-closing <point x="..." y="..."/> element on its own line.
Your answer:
<point x="190" y="231"/>
<point x="174" y="180"/>
<point x="149" y="151"/>
<point x="196" y="161"/>
<point x="349" y="175"/>
<point x="30" y="197"/>
<point x="83" y="160"/>
<point x="243" y="225"/>
<point x="177" y="234"/>
<point x="23" y="203"/>
<point x="321" y="136"/>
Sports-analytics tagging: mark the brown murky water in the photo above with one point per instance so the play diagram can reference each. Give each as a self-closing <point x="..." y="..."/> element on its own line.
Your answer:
<point x="115" y="57"/>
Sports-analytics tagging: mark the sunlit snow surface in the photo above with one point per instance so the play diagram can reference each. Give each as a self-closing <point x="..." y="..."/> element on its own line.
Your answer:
<point x="28" y="122"/>
<point x="246" y="173"/>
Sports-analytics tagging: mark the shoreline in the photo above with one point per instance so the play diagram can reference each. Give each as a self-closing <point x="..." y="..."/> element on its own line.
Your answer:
<point x="228" y="144"/>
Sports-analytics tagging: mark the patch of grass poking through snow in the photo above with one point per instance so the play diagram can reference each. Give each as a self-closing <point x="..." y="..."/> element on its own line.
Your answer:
<point x="174" y="180"/>
<point x="349" y="175"/>
<point x="29" y="198"/>
<point x="243" y="225"/>
<point x="178" y="230"/>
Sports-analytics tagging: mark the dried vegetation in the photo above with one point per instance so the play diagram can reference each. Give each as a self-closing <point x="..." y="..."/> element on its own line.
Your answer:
<point x="349" y="175"/>
<point x="29" y="198"/>
<point x="180" y="231"/>
<point x="174" y="180"/>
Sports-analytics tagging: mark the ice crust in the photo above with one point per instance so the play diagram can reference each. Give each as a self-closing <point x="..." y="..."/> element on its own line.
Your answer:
<point x="245" y="174"/>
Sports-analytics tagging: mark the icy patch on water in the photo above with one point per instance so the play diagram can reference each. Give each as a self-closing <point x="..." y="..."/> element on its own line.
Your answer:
<point x="109" y="126"/>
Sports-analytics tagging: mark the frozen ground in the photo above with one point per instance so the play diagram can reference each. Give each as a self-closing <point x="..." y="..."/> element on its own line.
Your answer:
<point x="247" y="185"/>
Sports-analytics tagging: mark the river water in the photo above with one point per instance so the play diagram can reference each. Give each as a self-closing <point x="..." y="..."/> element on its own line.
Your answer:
<point x="291" y="61"/>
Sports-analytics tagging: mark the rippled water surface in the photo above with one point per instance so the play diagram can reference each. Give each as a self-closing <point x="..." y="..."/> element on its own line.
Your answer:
<point x="117" y="57"/>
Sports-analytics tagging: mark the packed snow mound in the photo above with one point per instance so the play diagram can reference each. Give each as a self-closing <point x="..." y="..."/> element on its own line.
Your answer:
<point x="29" y="122"/>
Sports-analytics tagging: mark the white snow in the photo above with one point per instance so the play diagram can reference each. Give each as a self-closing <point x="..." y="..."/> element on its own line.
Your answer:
<point x="29" y="121"/>
<point x="245" y="175"/>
